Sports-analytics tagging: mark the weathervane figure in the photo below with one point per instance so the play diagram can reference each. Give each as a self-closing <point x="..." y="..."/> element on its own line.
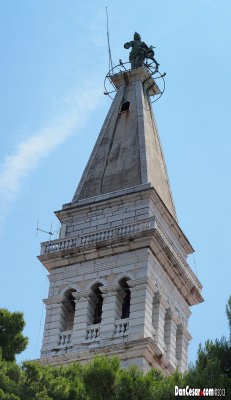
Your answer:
<point x="139" y="52"/>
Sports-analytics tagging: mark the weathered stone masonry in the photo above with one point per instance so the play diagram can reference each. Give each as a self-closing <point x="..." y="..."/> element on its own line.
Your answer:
<point x="119" y="280"/>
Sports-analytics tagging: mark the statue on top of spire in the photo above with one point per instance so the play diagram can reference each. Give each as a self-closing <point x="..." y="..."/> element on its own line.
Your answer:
<point x="139" y="52"/>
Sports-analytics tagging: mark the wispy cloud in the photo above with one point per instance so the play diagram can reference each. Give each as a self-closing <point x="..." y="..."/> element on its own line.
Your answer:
<point x="30" y="151"/>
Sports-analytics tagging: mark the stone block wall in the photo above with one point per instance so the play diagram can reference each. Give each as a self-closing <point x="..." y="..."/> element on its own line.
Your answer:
<point x="158" y="310"/>
<point x="145" y="281"/>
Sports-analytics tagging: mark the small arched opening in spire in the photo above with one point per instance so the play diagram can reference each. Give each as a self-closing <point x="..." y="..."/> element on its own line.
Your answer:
<point x="125" y="106"/>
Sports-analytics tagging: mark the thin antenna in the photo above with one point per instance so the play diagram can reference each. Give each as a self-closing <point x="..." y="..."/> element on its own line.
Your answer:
<point x="42" y="230"/>
<point x="195" y="264"/>
<point x="108" y="43"/>
<point x="50" y="233"/>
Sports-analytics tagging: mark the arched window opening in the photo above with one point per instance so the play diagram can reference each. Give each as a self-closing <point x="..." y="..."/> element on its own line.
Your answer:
<point x="155" y="312"/>
<point x="68" y="310"/>
<point x="126" y="299"/>
<point x="179" y="343"/>
<point x="167" y="329"/>
<point x="125" y="106"/>
<point x="96" y="305"/>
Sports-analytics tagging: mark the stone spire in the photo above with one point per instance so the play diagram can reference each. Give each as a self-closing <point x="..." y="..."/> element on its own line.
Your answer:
<point x="128" y="151"/>
<point x="120" y="284"/>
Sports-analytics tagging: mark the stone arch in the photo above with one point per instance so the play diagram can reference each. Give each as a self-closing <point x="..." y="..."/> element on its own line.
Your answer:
<point x="126" y="275"/>
<point x="99" y="281"/>
<point x="125" y="106"/>
<point x="68" y="309"/>
<point x="123" y="297"/>
<point x="95" y="304"/>
<point x="63" y="290"/>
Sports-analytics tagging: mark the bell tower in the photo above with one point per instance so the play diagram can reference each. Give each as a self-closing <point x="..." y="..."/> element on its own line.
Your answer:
<point x="119" y="280"/>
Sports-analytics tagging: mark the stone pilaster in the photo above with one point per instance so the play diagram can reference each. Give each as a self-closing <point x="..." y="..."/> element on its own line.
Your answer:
<point x="53" y="324"/>
<point x="170" y="337"/>
<point x="140" y="319"/>
<point x="83" y="308"/>
<point x="112" y="299"/>
<point x="159" y="321"/>
<point x="182" y="342"/>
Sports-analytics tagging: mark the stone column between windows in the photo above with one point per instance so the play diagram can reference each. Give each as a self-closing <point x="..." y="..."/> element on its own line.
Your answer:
<point x="53" y="325"/>
<point x="110" y="311"/>
<point x="140" y="319"/>
<point x="170" y="337"/>
<point x="158" y="321"/>
<point x="83" y="309"/>
<point x="182" y="341"/>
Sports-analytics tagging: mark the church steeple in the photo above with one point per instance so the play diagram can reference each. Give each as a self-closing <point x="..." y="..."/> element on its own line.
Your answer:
<point x="119" y="280"/>
<point x="128" y="150"/>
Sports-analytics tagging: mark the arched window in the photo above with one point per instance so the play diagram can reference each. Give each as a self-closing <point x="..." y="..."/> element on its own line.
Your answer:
<point x="167" y="329"/>
<point x="125" y="298"/>
<point x="156" y="312"/>
<point x="179" y="336"/>
<point x="125" y="106"/>
<point x="68" y="310"/>
<point x="95" y="305"/>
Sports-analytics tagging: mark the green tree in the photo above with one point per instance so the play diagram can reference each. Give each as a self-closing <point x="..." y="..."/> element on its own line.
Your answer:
<point x="213" y="364"/>
<point x="12" y="340"/>
<point x="46" y="382"/>
<point x="99" y="378"/>
<point x="228" y="313"/>
<point x="104" y="379"/>
<point x="11" y="380"/>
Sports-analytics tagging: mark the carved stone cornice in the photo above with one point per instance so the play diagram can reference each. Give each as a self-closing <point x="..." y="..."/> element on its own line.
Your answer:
<point x="164" y="302"/>
<point x="153" y="288"/>
<point x="147" y="233"/>
<point x="56" y="300"/>
<point x="186" y="333"/>
<point x="109" y="290"/>
<point x="83" y="294"/>
<point x="134" y="349"/>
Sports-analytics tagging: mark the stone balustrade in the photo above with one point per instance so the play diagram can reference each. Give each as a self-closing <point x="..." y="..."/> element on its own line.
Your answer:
<point x="64" y="338"/>
<point x="93" y="332"/>
<point x="106" y="234"/>
<point x="178" y="256"/>
<point x="115" y="232"/>
<point x="121" y="327"/>
<point x="58" y="245"/>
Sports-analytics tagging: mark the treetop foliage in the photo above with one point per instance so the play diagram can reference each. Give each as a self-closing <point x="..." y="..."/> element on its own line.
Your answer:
<point x="101" y="379"/>
<point x="228" y="313"/>
<point x="12" y="340"/>
<point x="104" y="379"/>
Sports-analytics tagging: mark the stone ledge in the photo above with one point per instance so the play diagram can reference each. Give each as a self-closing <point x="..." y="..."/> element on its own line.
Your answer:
<point x="106" y="196"/>
<point x="144" y="348"/>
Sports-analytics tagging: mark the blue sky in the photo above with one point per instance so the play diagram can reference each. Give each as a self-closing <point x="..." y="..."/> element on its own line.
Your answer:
<point x="54" y="59"/>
